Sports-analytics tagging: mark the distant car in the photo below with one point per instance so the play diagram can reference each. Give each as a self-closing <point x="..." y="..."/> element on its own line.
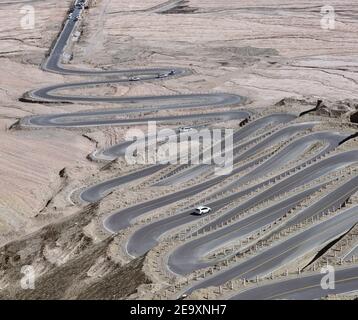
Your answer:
<point x="134" y="79"/>
<point x="171" y="72"/>
<point x="185" y="129"/>
<point x="199" y="211"/>
<point x="162" y="75"/>
<point x="80" y="4"/>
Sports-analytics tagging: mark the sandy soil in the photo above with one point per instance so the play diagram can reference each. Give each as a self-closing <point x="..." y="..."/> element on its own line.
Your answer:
<point x="265" y="50"/>
<point x="30" y="160"/>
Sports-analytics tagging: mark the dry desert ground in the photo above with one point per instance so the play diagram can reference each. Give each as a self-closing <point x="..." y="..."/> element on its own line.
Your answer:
<point x="275" y="53"/>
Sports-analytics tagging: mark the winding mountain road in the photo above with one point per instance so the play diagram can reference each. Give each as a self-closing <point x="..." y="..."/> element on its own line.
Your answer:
<point x="306" y="287"/>
<point x="276" y="256"/>
<point x="274" y="129"/>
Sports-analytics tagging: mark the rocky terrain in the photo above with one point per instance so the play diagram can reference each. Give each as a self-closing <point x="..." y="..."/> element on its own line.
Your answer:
<point x="273" y="52"/>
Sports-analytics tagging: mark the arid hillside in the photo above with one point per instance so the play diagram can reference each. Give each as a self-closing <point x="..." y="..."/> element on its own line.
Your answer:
<point x="273" y="56"/>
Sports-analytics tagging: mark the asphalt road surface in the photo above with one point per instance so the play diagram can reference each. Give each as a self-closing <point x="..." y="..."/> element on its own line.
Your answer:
<point x="303" y="288"/>
<point x="110" y="117"/>
<point x="282" y="252"/>
<point x="193" y="254"/>
<point x="123" y="218"/>
<point x="153" y="232"/>
<point x="96" y="192"/>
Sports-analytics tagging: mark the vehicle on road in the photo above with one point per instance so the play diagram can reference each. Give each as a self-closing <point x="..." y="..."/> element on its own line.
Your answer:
<point x="167" y="74"/>
<point x="134" y="79"/>
<point x="185" y="129"/>
<point x="162" y="75"/>
<point x="199" y="211"/>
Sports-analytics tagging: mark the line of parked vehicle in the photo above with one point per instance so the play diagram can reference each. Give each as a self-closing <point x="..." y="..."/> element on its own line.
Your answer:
<point x="160" y="75"/>
<point x="80" y="4"/>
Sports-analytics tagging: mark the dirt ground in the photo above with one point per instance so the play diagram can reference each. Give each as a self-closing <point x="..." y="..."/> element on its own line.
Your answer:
<point x="264" y="50"/>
